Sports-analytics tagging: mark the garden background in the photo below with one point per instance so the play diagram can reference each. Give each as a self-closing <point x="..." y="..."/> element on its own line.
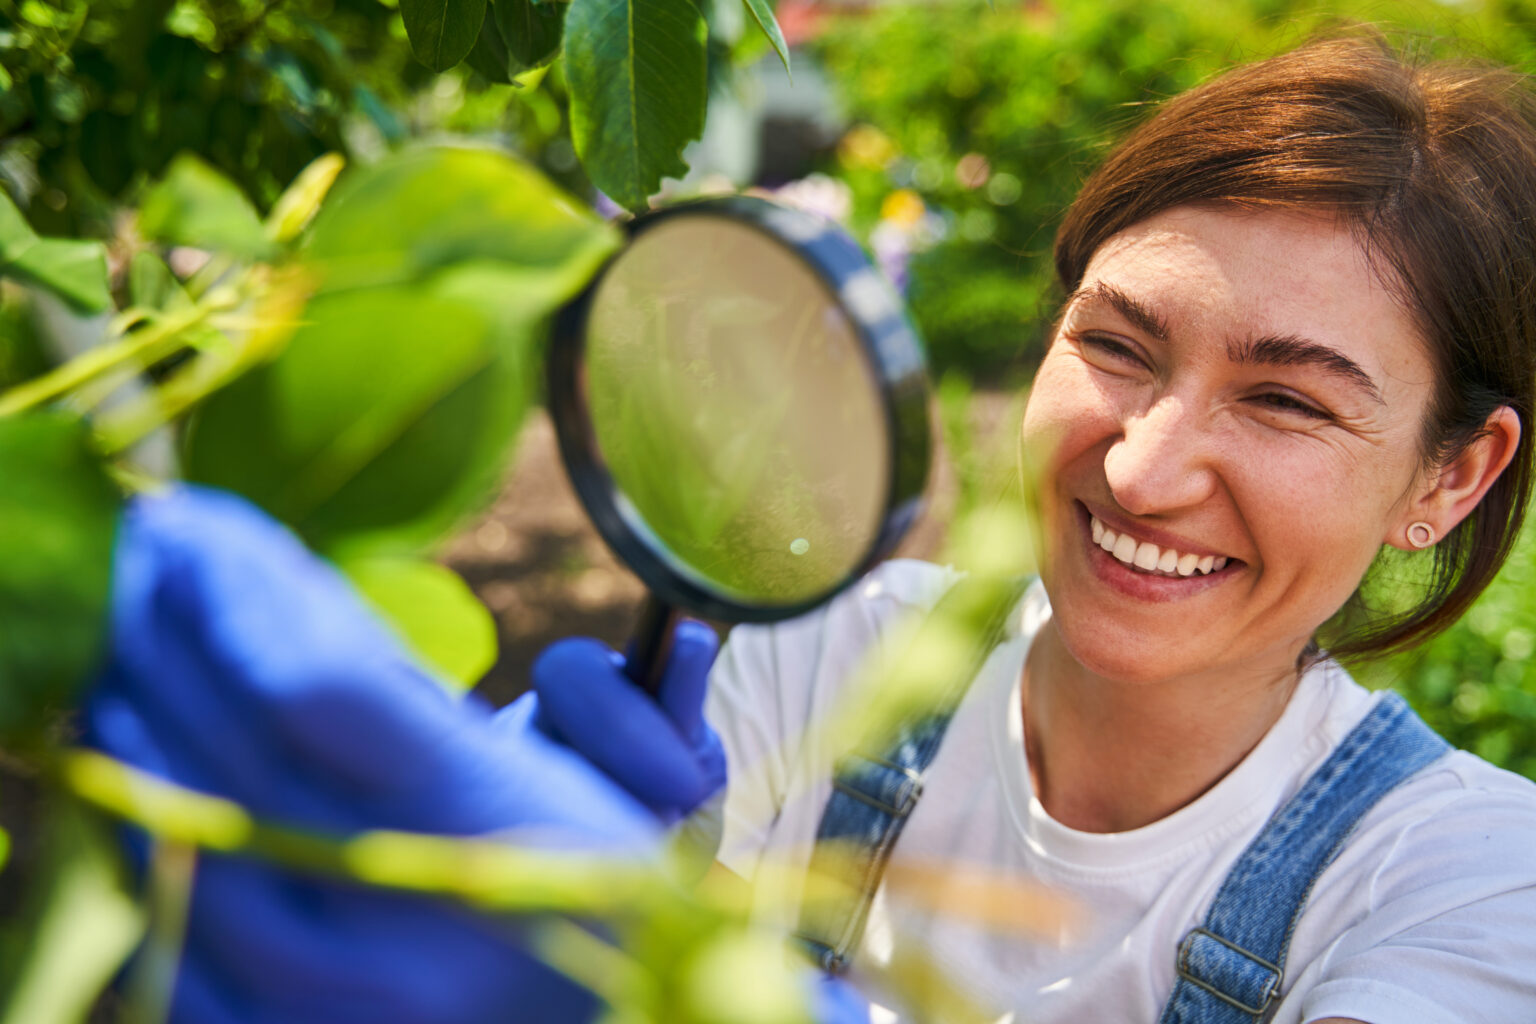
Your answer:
<point x="948" y="137"/>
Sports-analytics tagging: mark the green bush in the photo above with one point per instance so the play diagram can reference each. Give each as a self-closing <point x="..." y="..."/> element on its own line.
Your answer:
<point x="1476" y="683"/>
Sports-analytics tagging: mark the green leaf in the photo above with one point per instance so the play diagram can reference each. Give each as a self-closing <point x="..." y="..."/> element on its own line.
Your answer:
<point x="489" y="55"/>
<point x="387" y="418"/>
<point x="637" y="76"/>
<point x="75" y="271"/>
<point x="58" y="512"/>
<point x="85" y="925"/>
<point x="531" y="31"/>
<point x="442" y="32"/>
<point x="434" y="612"/>
<point x="16" y="235"/>
<point x="151" y="285"/>
<point x="426" y="209"/>
<point x="196" y="205"/>
<point x="770" y="26"/>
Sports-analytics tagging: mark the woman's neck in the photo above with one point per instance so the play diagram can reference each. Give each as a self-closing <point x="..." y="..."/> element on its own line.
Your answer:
<point x="1107" y="756"/>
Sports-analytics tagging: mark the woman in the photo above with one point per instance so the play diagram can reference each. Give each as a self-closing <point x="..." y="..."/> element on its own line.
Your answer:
<point x="1301" y="326"/>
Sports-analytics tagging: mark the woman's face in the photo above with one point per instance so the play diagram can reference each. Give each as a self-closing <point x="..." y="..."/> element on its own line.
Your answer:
<point x="1232" y="406"/>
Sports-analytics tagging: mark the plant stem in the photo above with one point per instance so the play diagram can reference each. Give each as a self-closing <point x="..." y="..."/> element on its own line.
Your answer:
<point x="146" y="347"/>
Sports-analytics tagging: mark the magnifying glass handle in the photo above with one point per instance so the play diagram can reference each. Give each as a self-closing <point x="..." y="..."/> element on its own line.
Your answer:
<point x="651" y="644"/>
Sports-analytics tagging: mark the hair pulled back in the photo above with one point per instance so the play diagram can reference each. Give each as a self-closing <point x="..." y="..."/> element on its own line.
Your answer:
<point x="1433" y="166"/>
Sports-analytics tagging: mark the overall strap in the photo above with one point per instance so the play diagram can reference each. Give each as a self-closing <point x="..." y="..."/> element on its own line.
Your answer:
<point x="1230" y="969"/>
<point x="876" y="786"/>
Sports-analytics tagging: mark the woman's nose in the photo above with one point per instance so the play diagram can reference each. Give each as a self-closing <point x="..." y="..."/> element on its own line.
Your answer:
<point x="1162" y="461"/>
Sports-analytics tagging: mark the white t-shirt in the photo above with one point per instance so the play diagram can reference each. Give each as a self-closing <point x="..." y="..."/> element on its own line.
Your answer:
<point x="1427" y="916"/>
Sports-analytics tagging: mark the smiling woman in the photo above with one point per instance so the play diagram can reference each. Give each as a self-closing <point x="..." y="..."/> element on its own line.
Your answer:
<point x="1298" y="348"/>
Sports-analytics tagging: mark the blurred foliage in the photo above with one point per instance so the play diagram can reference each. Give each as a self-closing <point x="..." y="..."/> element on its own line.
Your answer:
<point x="98" y="97"/>
<point x="1476" y="682"/>
<point x="992" y="114"/>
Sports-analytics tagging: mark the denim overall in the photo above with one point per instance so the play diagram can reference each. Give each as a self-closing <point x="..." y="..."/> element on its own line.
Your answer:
<point x="1230" y="969"/>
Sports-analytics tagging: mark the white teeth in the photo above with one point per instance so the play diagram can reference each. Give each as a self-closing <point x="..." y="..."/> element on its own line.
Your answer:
<point x="1148" y="557"/>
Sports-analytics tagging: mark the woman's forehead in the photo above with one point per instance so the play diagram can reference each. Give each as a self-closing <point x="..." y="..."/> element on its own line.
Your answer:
<point x="1234" y="275"/>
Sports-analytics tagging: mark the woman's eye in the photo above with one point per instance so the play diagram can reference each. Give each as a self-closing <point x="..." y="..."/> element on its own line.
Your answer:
<point x="1112" y="347"/>
<point x="1290" y="404"/>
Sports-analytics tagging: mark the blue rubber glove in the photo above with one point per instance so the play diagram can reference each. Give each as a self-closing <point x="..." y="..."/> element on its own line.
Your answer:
<point x="661" y="750"/>
<point x="242" y="665"/>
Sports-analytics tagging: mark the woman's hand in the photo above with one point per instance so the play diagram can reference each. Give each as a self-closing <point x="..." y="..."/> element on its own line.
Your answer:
<point x="660" y="750"/>
<point x="244" y="666"/>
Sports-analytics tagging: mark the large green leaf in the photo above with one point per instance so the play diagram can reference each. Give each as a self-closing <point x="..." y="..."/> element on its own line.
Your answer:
<point x="442" y="31"/>
<point x="637" y="75"/>
<point x="196" y="205"/>
<point x="387" y="418"/>
<point x="431" y="208"/>
<point x="75" y="271"/>
<point x="58" y="512"/>
<point x="531" y="31"/>
<point x="434" y="612"/>
<point x="84" y="925"/>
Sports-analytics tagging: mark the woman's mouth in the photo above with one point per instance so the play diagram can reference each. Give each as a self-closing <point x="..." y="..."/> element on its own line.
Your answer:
<point x="1146" y="557"/>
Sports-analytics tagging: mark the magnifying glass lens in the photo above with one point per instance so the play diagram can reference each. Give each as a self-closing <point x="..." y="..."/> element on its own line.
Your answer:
<point x="736" y="413"/>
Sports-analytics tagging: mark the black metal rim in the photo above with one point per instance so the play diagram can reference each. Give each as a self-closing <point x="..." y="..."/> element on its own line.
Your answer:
<point x="889" y="344"/>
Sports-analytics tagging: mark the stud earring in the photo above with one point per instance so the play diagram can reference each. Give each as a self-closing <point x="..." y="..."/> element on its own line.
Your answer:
<point x="1421" y="534"/>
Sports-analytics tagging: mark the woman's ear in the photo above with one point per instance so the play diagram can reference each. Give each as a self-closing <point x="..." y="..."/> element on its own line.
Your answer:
<point x="1450" y="493"/>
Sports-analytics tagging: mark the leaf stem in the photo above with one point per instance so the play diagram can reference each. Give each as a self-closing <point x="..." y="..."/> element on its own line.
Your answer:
<point x="144" y="347"/>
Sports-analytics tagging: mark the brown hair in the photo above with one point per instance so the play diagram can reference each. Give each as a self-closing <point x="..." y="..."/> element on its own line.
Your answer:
<point x="1433" y="166"/>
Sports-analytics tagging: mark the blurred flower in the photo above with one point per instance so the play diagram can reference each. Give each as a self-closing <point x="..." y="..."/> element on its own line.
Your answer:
<point x="866" y="146"/>
<point x="972" y="170"/>
<point x="903" y="207"/>
<point x="906" y="226"/>
<point x="817" y="193"/>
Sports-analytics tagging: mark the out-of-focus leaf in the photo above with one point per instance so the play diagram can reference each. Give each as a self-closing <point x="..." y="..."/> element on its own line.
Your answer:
<point x="196" y="205"/>
<point x="530" y="31"/>
<point x="298" y="204"/>
<point x="434" y="612"/>
<point x="442" y="31"/>
<point x="58" y="512"/>
<point x="489" y="55"/>
<point x="638" y="84"/>
<point x="75" y="271"/>
<point x="22" y="356"/>
<point x="85" y="927"/>
<point x="431" y="208"/>
<point x="763" y="14"/>
<point x="386" y="419"/>
<point x="151" y="283"/>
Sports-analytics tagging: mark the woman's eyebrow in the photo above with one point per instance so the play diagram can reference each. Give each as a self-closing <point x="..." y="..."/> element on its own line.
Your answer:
<point x="1291" y="350"/>
<point x="1132" y="309"/>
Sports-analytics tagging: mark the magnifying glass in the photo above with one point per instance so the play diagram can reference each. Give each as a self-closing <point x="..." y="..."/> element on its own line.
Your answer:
<point x="742" y="406"/>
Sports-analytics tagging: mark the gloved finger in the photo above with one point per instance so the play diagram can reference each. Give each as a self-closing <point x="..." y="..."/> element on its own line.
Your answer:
<point x="834" y="1001"/>
<point x="686" y="678"/>
<point x="596" y="709"/>
<point x="233" y="640"/>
